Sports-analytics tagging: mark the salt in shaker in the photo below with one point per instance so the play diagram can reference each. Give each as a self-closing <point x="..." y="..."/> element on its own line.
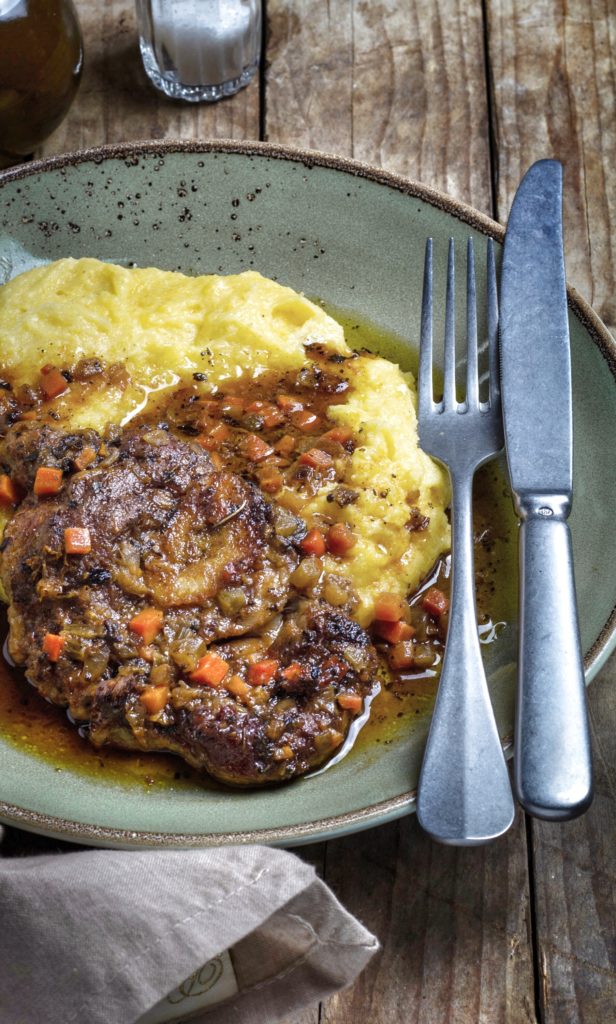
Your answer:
<point x="200" y="50"/>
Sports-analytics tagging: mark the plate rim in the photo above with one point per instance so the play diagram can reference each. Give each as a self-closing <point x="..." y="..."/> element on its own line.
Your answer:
<point x="394" y="807"/>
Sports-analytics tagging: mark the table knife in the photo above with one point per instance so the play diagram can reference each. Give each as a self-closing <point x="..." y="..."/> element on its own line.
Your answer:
<point x="552" y="760"/>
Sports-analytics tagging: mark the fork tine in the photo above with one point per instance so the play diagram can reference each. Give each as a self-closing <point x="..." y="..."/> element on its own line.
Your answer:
<point x="472" y="382"/>
<point x="494" y="394"/>
<point x="449" y="377"/>
<point x="424" y="383"/>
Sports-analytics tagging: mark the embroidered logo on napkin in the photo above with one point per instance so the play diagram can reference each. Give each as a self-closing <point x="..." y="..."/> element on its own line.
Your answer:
<point x="209" y="985"/>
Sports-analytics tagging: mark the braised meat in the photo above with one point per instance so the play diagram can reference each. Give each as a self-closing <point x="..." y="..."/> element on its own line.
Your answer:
<point x="26" y="447"/>
<point x="165" y="529"/>
<point x="284" y="707"/>
<point x="133" y="565"/>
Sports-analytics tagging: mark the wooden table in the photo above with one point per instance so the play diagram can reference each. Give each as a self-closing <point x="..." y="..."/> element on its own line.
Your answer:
<point x="462" y="95"/>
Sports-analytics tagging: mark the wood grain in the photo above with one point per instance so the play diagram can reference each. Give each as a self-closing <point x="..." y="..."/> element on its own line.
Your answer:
<point x="454" y="924"/>
<point x="399" y="83"/>
<point x="116" y="102"/>
<point x="553" y="69"/>
<point x="575" y="887"/>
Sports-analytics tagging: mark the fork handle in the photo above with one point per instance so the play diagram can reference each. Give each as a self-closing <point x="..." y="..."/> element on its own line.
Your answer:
<point x="553" y="772"/>
<point x="464" y="795"/>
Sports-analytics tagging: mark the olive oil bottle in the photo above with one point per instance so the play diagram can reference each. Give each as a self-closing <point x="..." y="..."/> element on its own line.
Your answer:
<point x="41" y="56"/>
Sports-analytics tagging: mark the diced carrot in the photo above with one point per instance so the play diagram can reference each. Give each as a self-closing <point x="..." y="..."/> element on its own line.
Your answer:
<point x="154" y="698"/>
<point x="210" y="670"/>
<point x="53" y="383"/>
<point x="316" y="458"/>
<point x="206" y="442"/>
<point x="393" y="632"/>
<point x="389" y="608"/>
<point x="273" y="417"/>
<point x="53" y="645"/>
<point x="9" y="492"/>
<point x="232" y="406"/>
<point x="340" y="539"/>
<point x="48" y="480"/>
<point x="85" y="458"/>
<point x="77" y="540"/>
<point x="210" y="406"/>
<point x="255" y="448"/>
<point x="293" y="672"/>
<point x="402" y="655"/>
<point x="305" y="420"/>
<point x="261" y="406"/>
<point x="147" y="623"/>
<point x="216" y="436"/>
<point x="285" y="445"/>
<point x="289" y="404"/>
<point x="271" y="481"/>
<point x="261" y="672"/>
<point x="350" y="701"/>
<point x="435" y="602"/>
<point x="339" y="434"/>
<point x="313" y="543"/>
<point x="238" y="687"/>
<point x="220" y="432"/>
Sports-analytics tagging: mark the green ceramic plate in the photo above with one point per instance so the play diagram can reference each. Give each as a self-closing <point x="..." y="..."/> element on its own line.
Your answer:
<point x="353" y="236"/>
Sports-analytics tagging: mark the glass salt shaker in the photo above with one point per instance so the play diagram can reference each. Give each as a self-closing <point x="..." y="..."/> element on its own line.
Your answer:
<point x="200" y="50"/>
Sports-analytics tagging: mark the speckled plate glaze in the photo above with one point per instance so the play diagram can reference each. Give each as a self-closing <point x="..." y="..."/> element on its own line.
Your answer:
<point x="353" y="236"/>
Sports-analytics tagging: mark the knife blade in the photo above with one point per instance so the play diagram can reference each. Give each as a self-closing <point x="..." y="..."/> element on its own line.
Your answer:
<point x="552" y="761"/>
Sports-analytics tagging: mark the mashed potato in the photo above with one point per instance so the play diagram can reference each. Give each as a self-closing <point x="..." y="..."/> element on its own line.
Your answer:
<point x="165" y="327"/>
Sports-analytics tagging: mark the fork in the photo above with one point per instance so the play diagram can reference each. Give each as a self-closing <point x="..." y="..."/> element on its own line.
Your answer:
<point x="464" y="795"/>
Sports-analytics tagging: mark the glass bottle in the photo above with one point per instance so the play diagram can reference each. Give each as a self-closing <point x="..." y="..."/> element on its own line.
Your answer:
<point x="41" y="57"/>
<point x="200" y="50"/>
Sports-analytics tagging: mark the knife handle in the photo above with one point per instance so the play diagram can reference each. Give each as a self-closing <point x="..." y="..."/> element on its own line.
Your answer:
<point x="552" y="768"/>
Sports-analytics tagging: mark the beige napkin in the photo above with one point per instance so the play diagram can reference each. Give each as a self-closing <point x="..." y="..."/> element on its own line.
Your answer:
<point x="235" y="935"/>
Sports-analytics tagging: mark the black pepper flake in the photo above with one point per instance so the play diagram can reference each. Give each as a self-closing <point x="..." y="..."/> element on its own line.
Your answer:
<point x="199" y="376"/>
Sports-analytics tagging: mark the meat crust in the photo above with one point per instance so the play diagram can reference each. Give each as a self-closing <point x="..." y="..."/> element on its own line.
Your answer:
<point x="171" y="532"/>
